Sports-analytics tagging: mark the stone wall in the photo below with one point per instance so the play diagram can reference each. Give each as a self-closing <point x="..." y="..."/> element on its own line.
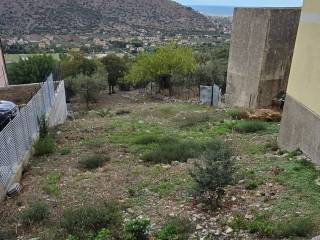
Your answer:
<point x="261" y="51"/>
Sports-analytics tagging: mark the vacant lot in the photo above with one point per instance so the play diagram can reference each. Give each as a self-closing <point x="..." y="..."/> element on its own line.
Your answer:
<point x="274" y="195"/>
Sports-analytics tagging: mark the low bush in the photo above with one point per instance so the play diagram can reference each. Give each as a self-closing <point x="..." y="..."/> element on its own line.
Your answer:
<point x="123" y="112"/>
<point x="236" y="114"/>
<point x="93" y="161"/>
<point x="295" y="227"/>
<point x="104" y="113"/>
<point x="45" y="146"/>
<point x="35" y="213"/>
<point x="192" y="119"/>
<point x="51" y="186"/>
<point x="251" y="185"/>
<point x="64" y="151"/>
<point x="151" y="139"/>
<point x="176" y="228"/>
<point x="213" y="172"/>
<point x="250" y="126"/>
<point x="82" y="221"/>
<point x="173" y="151"/>
<point x="137" y="229"/>
<point x="103" y="234"/>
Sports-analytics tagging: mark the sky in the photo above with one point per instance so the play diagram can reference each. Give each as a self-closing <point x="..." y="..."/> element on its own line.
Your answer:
<point x="244" y="3"/>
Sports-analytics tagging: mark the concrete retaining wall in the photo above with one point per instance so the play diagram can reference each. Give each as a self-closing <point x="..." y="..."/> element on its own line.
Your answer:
<point x="261" y="51"/>
<point x="19" y="94"/>
<point x="59" y="112"/>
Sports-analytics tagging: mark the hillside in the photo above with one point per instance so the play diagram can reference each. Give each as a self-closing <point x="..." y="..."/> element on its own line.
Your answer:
<point x="109" y="16"/>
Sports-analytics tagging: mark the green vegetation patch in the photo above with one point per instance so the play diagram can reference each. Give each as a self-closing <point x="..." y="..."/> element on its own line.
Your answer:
<point x="264" y="226"/>
<point x="45" y="146"/>
<point x="176" y="228"/>
<point x="174" y="151"/>
<point x="36" y="213"/>
<point x="93" y="161"/>
<point x="52" y="181"/>
<point x="250" y="126"/>
<point x="88" y="220"/>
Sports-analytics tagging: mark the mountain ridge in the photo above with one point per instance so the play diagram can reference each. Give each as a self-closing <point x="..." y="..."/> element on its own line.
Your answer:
<point x="100" y="16"/>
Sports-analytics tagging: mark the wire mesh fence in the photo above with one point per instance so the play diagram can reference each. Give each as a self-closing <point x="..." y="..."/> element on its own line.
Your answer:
<point x="17" y="137"/>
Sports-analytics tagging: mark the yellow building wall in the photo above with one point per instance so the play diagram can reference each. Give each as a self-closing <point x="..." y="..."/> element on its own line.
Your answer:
<point x="304" y="80"/>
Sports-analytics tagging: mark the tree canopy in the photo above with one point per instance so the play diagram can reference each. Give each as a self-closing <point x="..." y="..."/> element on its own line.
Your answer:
<point x="32" y="70"/>
<point x="166" y="62"/>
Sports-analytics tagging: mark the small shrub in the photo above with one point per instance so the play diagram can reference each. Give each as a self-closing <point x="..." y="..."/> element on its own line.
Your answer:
<point x="297" y="227"/>
<point x="64" y="151"/>
<point x="192" y="119"/>
<point x="43" y="127"/>
<point x="51" y="186"/>
<point x="103" y="234"/>
<point x="261" y="225"/>
<point x="176" y="228"/>
<point x="251" y="185"/>
<point x="238" y="223"/>
<point x="104" y="113"/>
<point x="214" y="172"/>
<point x="151" y="139"/>
<point x="237" y="114"/>
<point x="272" y="145"/>
<point x="123" y="112"/>
<point x="93" y="161"/>
<point x="250" y="126"/>
<point x="137" y="229"/>
<point x="173" y="151"/>
<point x="45" y="146"/>
<point x="91" y="219"/>
<point x="36" y="213"/>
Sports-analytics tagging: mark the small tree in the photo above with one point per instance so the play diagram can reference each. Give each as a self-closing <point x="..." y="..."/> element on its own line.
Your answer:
<point x="76" y="64"/>
<point x="161" y="66"/>
<point x="116" y="68"/>
<point x="90" y="87"/>
<point x="32" y="70"/>
<point x="213" y="173"/>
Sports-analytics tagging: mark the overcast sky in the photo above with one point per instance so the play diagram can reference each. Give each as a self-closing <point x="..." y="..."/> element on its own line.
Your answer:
<point x="244" y="3"/>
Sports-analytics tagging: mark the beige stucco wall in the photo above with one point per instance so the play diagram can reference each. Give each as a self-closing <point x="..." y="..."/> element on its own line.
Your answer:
<point x="3" y="74"/>
<point x="304" y="80"/>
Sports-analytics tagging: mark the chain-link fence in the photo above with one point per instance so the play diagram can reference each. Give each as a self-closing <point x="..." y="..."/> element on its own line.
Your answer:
<point x="17" y="137"/>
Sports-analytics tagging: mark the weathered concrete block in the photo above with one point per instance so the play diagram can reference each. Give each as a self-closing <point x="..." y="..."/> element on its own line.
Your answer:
<point x="261" y="50"/>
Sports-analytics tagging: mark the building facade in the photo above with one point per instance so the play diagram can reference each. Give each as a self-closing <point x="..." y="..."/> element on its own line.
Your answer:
<point x="3" y="72"/>
<point x="261" y="51"/>
<point x="300" y="126"/>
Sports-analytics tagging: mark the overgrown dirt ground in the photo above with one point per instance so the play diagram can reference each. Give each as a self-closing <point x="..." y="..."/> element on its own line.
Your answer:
<point x="276" y="185"/>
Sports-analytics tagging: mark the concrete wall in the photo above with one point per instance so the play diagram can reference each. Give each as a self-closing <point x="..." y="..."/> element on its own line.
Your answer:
<point x="300" y="126"/>
<point x="3" y="73"/>
<point x="19" y="94"/>
<point x="260" y="55"/>
<point x="59" y="112"/>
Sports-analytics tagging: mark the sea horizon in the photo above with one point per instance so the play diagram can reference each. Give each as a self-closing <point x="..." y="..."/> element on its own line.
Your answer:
<point x="214" y="10"/>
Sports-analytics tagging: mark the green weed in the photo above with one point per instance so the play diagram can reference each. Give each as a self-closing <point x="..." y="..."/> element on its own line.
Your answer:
<point x="93" y="161"/>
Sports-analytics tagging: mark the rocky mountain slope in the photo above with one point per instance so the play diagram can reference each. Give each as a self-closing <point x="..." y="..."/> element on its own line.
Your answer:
<point x="88" y="16"/>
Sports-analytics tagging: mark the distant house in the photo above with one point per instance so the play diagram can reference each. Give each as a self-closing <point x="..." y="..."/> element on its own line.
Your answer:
<point x="3" y="72"/>
<point x="300" y="126"/>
